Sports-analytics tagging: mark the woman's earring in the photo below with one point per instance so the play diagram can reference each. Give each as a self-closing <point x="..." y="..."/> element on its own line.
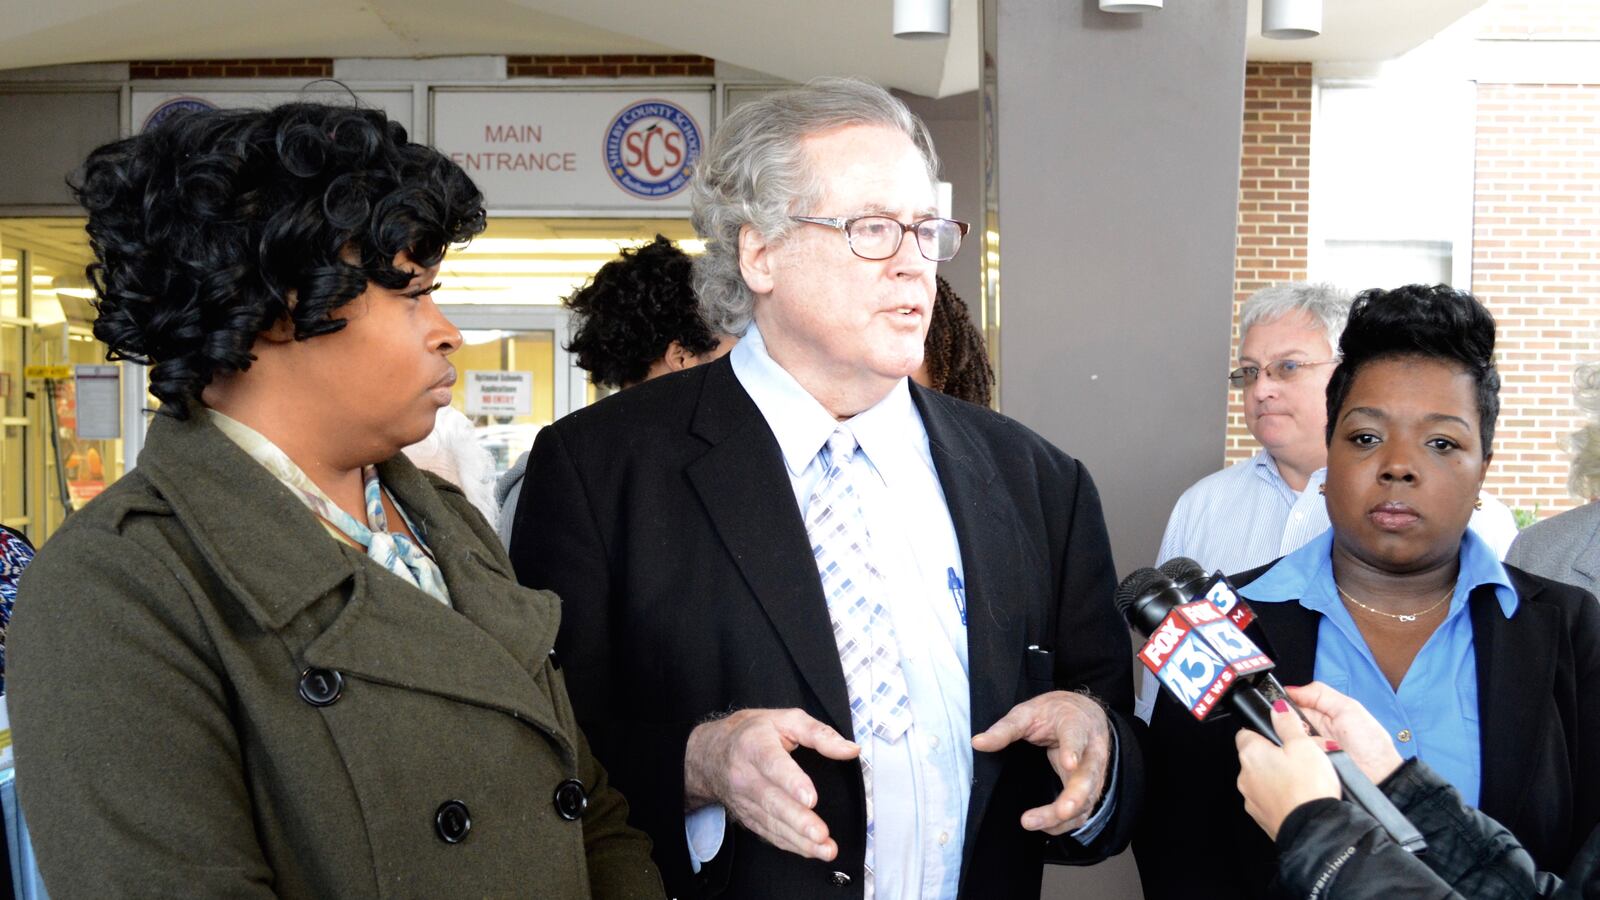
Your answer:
<point x="1478" y="503"/>
<point x="1322" y="489"/>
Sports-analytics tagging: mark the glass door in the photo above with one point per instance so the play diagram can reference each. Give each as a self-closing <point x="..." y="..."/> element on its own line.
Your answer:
<point x="514" y="375"/>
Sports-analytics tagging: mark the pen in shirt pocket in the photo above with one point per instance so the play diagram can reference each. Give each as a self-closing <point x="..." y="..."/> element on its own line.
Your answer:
<point x="958" y="592"/>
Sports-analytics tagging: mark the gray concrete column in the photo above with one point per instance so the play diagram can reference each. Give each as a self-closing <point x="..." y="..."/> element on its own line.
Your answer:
<point x="1112" y="159"/>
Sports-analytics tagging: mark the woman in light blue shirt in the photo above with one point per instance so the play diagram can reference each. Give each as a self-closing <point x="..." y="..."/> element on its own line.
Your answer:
<point x="1481" y="670"/>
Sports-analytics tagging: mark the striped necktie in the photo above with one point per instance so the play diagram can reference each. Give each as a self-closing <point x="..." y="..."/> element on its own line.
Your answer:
<point x="880" y="704"/>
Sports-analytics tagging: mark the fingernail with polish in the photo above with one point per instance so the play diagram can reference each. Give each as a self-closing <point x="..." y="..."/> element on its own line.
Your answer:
<point x="1280" y="705"/>
<point x="1331" y="745"/>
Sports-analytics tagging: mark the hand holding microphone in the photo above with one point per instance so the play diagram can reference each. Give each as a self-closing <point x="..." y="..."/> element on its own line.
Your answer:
<point x="1276" y="780"/>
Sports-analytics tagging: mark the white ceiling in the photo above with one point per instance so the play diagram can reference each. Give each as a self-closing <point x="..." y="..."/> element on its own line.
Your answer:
<point x="791" y="40"/>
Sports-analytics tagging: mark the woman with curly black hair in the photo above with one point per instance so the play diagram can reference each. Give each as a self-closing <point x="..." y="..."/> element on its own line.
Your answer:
<point x="638" y="318"/>
<point x="275" y="659"/>
<point x="1479" y="669"/>
<point x="955" y="359"/>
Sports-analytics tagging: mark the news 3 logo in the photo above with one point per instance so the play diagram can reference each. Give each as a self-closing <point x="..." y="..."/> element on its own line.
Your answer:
<point x="1228" y="603"/>
<point x="1194" y="673"/>
<point x="1197" y="652"/>
<point x="176" y="105"/>
<point x="651" y="148"/>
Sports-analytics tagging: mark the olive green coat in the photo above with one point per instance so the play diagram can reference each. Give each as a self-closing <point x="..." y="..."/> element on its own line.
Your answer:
<point x="163" y="746"/>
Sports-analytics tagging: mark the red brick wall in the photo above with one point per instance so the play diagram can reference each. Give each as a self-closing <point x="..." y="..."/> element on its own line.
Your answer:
<point x="1536" y="244"/>
<point x="1536" y="264"/>
<point x="608" y="66"/>
<point x="1274" y="201"/>
<point x="230" y="68"/>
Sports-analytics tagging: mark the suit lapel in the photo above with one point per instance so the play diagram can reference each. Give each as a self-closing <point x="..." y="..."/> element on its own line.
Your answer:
<point x="1288" y="633"/>
<point x="992" y="558"/>
<point x="745" y="488"/>
<point x="1516" y="661"/>
<point x="1587" y="562"/>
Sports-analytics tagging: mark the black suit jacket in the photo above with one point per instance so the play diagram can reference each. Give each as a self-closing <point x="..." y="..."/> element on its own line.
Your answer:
<point x="1538" y="720"/>
<point x="664" y="518"/>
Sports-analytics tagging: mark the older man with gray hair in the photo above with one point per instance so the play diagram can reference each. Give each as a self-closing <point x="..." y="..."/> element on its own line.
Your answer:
<point x="833" y="634"/>
<point x="1251" y="513"/>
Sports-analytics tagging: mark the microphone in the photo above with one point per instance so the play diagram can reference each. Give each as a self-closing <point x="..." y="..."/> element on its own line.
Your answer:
<point x="1200" y="654"/>
<point x="1194" y="649"/>
<point x="1192" y="579"/>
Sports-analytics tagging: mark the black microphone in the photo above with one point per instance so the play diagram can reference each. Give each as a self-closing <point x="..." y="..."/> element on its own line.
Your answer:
<point x="1159" y="608"/>
<point x="1188" y="575"/>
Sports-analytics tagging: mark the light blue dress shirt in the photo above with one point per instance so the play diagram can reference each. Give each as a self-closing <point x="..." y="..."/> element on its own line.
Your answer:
<point x="1434" y="714"/>
<point x="922" y="782"/>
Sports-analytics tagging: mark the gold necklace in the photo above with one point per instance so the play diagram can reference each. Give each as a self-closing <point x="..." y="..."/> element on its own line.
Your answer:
<point x="1412" y="617"/>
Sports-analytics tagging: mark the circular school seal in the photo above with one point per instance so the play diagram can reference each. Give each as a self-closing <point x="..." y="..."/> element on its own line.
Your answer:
<point x="175" y="105"/>
<point x="651" y="147"/>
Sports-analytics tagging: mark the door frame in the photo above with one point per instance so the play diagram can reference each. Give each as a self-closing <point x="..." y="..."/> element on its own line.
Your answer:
<point x="571" y="387"/>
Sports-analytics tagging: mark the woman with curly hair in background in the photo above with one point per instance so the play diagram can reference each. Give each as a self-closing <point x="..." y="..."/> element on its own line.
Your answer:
<point x="955" y="360"/>
<point x="638" y="319"/>
<point x="275" y="659"/>
<point x="635" y="320"/>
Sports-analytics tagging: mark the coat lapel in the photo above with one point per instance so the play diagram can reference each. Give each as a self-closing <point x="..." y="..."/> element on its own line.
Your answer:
<point x="1516" y="661"/>
<point x="279" y="562"/>
<point x="744" y="485"/>
<point x="391" y="633"/>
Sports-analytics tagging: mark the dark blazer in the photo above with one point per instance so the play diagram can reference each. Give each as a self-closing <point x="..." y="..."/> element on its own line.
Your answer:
<point x="664" y="518"/>
<point x="212" y="697"/>
<point x="1539" y="727"/>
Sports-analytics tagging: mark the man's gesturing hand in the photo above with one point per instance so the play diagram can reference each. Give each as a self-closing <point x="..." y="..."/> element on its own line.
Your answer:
<point x="1077" y="737"/>
<point x="742" y="762"/>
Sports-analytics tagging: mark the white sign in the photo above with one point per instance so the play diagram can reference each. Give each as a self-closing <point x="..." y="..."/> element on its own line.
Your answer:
<point x="499" y="393"/>
<point x="99" y="403"/>
<point x="149" y="107"/>
<point x="575" y="150"/>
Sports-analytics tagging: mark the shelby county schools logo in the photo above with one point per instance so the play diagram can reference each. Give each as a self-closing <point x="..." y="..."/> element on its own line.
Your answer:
<point x="175" y="105"/>
<point x="651" y="148"/>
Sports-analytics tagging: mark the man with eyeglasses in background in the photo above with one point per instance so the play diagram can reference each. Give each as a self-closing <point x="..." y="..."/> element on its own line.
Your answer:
<point x="1255" y="511"/>
<point x="832" y="633"/>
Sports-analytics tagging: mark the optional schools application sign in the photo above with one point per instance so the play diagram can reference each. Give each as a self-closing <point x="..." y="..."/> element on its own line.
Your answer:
<point x="605" y="150"/>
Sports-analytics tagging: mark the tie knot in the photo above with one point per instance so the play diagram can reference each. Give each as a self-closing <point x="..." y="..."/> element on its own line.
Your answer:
<point x="841" y="446"/>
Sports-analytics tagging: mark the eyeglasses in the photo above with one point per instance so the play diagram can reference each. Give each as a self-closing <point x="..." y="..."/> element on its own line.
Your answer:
<point x="879" y="237"/>
<point x="1278" y="370"/>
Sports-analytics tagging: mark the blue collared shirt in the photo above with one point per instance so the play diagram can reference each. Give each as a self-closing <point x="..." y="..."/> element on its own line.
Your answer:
<point x="1434" y="714"/>
<point x="922" y="782"/>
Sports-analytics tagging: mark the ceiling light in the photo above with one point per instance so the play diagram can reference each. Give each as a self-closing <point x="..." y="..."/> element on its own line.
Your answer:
<point x="921" y="19"/>
<point x="1291" y="20"/>
<point x="1129" y="6"/>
